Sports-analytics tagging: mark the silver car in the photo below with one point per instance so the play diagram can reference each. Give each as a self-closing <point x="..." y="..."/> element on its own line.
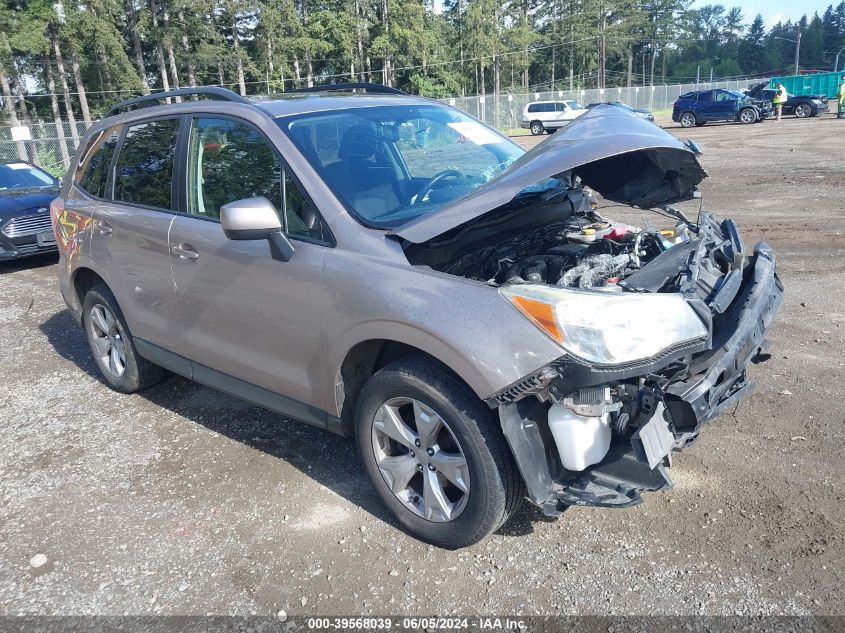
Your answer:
<point x="385" y="266"/>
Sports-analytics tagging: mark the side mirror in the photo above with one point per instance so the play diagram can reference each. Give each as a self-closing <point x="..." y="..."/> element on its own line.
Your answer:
<point x="256" y="219"/>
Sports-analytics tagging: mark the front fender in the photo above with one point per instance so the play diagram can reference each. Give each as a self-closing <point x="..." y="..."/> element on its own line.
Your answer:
<point x="417" y="337"/>
<point x="464" y="324"/>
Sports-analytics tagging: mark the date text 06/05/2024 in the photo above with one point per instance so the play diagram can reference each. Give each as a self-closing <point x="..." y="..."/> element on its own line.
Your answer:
<point x="416" y="623"/>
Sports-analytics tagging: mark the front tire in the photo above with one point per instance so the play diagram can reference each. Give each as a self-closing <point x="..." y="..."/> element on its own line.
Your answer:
<point x="435" y="454"/>
<point x="747" y="115"/>
<point x="112" y="346"/>
<point x="537" y="128"/>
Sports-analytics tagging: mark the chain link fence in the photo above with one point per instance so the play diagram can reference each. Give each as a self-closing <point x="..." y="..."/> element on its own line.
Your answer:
<point x="47" y="145"/>
<point x="52" y="149"/>
<point x="505" y="110"/>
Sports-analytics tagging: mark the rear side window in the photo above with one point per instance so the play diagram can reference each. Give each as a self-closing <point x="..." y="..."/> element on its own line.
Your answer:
<point x="705" y="96"/>
<point x="144" y="169"/>
<point x="92" y="173"/>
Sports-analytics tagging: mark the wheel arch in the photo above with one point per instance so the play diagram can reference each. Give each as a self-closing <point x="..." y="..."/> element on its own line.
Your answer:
<point x="82" y="280"/>
<point x="365" y="357"/>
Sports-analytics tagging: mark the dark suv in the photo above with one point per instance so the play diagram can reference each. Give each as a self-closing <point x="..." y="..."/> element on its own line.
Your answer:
<point x="385" y="266"/>
<point x="700" y="107"/>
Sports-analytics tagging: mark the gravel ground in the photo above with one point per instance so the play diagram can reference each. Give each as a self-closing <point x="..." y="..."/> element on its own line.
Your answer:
<point x="181" y="500"/>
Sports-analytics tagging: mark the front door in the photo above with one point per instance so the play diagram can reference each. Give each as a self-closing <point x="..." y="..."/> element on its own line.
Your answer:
<point x="242" y="314"/>
<point x="725" y="105"/>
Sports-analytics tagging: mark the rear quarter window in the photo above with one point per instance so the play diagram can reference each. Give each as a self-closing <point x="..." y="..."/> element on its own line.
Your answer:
<point x="534" y="107"/>
<point x="92" y="173"/>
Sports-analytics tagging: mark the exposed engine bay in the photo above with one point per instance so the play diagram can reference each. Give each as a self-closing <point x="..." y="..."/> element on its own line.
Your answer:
<point x="656" y="326"/>
<point x="578" y="249"/>
<point x="590" y="431"/>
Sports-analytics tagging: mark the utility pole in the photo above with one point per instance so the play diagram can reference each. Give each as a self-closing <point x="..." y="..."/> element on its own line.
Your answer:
<point x="602" y="51"/>
<point x="836" y="63"/>
<point x="797" y="48"/>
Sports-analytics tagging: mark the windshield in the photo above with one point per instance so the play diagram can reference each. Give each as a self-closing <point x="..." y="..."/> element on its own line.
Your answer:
<point x="391" y="164"/>
<point x="23" y="176"/>
<point x="574" y="105"/>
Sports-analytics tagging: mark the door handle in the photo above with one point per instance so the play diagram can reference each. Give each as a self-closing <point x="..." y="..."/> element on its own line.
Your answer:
<point x="185" y="252"/>
<point x="104" y="228"/>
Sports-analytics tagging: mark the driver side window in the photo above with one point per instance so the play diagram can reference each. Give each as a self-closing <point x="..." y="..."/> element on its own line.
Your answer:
<point x="230" y="160"/>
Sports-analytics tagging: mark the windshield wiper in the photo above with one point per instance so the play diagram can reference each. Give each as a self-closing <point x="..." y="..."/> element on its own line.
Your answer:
<point x="672" y="212"/>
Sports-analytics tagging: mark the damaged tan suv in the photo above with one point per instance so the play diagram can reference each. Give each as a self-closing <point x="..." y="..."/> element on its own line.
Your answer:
<point x="385" y="266"/>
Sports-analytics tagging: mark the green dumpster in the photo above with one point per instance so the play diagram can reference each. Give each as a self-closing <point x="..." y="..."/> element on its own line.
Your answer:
<point x="825" y="84"/>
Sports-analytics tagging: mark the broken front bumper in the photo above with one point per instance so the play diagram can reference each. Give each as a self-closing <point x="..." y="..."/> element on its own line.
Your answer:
<point x="716" y="380"/>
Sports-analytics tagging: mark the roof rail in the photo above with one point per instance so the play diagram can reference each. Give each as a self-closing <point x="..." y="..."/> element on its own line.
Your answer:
<point x="153" y="98"/>
<point x="367" y="87"/>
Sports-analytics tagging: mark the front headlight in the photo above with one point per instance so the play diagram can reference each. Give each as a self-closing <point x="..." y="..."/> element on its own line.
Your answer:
<point x="610" y="328"/>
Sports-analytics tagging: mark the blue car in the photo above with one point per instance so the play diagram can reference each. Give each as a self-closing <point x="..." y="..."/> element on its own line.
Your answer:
<point x="701" y="106"/>
<point x="25" y="195"/>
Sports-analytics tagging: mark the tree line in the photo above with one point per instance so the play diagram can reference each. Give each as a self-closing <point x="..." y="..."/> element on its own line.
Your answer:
<point x="71" y="59"/>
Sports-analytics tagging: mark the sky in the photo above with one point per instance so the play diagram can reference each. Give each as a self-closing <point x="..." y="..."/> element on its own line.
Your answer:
<point x="773" y="11"/>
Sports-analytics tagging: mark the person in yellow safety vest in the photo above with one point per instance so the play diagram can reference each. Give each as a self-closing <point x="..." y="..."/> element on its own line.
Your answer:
<point x="779" y="100"/>
<point x="840" y="99"/>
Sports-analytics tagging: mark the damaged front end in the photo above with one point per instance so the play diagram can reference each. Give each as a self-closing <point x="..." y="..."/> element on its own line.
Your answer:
<point x="656" y="326"/>
<point x="600" y="434"/>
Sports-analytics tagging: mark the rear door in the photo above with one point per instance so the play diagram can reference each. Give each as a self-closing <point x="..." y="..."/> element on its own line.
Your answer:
<point x="705" y="106"/>
<point x="243" y="315"/>
<point x="91" y="185"/>
<point x="131" y="224"/>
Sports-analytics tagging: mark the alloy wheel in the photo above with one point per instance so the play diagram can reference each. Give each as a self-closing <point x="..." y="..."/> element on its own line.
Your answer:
<point x="802" y="111"/>
<point x="747" y="116"/>
<point x="537" y="129"/>
<point x="420" y="459"/>
<point x="108" y="343"/>
<point x="687" y="120"/>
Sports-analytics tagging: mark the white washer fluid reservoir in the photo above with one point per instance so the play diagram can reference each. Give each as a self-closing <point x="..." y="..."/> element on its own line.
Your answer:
<point x="581" y="440"/>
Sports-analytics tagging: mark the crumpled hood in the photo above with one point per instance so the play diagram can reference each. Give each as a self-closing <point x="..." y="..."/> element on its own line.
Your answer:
<point x="618" y="154"/>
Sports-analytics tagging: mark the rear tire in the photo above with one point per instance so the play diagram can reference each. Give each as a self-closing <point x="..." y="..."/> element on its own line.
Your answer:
<point x="112" y="346"/>
<point x="687" y="119"/>
<point x="414" y="475"/>
<point x="803" y="111"/>
<point x="537" y="128"/>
